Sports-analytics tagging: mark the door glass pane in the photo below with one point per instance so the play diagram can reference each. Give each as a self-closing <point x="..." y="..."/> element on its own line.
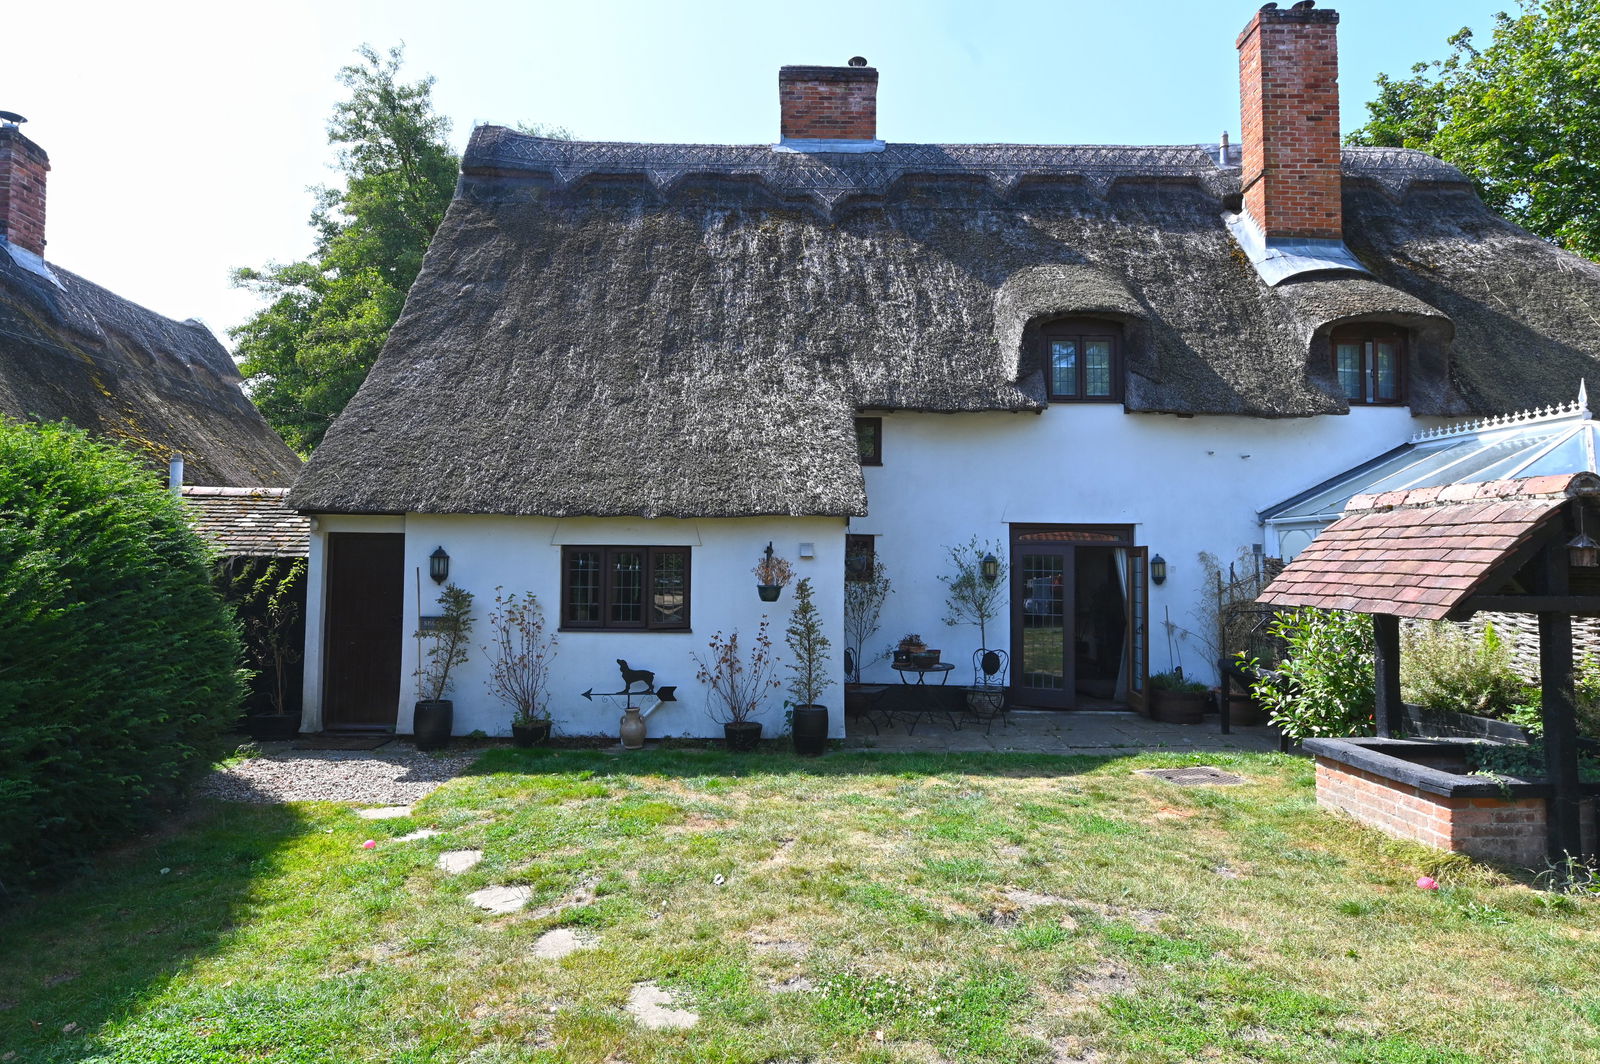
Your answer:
<point x="1064" y="367"/>
<point x="1387" y="371"/>
<point x="1097" y="367"/>
<point x="583" y="586"/>
<point x="1347" y="359"/>
<point x="1043" y="622"/>
<point x="627" y="587"/>
<point x="667" y="588"/>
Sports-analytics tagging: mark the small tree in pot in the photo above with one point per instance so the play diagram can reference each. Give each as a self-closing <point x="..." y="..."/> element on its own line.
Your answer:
<point x="808" y="672"/>
<point x="269" y="621"/>
<point x="519" y="667"/>
<point x="448" y="640"/>
<point x="974" y="594"/>
<point x="738" y="680"/>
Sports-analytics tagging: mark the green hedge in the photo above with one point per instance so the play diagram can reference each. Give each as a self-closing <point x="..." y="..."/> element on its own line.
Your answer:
<point x="118" y="662"/>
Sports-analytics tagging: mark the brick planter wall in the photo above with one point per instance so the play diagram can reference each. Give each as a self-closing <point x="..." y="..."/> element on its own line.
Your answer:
<point x="1497" y="829"/>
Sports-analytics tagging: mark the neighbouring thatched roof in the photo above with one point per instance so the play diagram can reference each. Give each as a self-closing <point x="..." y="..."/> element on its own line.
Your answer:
<point x="688" y="329"/>
<point x="70" y="349"/>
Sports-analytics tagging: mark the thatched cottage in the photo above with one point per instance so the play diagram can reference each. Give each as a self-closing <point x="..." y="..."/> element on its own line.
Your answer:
<point x="70" y="349"/>
<point x="625" y="368"/>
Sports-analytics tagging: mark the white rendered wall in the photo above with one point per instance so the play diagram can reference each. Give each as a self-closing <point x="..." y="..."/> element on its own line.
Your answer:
<point x="1186" y="485"/>
<point x="523" y="554"/>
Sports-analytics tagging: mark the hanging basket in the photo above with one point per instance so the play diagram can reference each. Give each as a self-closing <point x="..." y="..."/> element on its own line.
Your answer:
<point x="769" y="592"/>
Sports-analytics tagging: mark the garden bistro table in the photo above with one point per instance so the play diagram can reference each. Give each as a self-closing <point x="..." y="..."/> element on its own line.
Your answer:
<point x="913" y="716"/>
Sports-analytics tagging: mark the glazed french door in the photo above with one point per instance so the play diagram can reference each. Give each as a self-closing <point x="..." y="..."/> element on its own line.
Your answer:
<point x="1079" y="616"/>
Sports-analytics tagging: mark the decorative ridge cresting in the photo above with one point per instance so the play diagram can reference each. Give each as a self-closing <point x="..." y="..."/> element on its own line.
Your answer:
<point x="1578" y="410"/>
<point x="830" y="177"/>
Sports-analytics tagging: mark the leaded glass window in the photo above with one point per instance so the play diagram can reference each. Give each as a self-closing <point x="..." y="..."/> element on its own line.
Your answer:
<point x="1369" y="362"/>
<point x="1084" y="360"/>
<point x="625" y="588"/>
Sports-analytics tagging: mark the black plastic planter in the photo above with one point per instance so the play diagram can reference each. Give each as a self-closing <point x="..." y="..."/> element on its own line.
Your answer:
<point x="742" y="736"/>
<point x="535" y="734"/>
<point x="431" y="726"/>
<point x="810" y="730"/>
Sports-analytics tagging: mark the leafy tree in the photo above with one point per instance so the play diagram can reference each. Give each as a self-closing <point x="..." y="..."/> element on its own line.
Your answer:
<point x="1325" y="685"/>
<point x="1520" y="117"/>
<point x="308" y="350"/>
<point x="118" y="660"/>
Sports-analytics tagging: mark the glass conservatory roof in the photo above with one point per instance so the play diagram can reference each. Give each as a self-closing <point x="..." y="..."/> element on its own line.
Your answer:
<point x="1533" y="443"/>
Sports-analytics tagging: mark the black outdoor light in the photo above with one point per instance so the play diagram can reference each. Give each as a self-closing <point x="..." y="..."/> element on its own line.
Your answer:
<point x="439" y="566"/>
<point x="1158" y="570"/>
<point x="1582" y="551"/>
<point x="991" y="568"/>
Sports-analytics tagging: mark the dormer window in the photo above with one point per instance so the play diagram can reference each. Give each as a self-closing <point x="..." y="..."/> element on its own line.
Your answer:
<point x="1369" y="361"/>
<point x="1083" y="360"/>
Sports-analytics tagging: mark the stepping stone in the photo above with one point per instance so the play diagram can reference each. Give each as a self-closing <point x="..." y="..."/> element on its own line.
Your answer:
<point x="420" y="833"/>
<point x="553" y="945"/>
<point x="500" y="899"/>
<point x="384" y="812"/>
<point x="457" y="861"/>
<point x="651" y="1006"/>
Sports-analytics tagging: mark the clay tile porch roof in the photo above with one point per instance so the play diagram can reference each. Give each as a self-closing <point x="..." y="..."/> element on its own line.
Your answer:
<point x="248" y="522"/>
<point x="1422" y="553"/>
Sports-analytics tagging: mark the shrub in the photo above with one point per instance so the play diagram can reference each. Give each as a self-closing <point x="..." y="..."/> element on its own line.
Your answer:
<point x="1444" y="666"/>
<point x="1324" y="686"/>
<point x="118" y="660"/>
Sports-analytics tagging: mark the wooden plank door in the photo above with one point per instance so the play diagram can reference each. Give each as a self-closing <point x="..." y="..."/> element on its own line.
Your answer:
<point x="365" y="611"/>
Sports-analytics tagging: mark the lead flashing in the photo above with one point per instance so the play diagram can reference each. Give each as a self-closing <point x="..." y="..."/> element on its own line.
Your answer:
<point x="1279" y="260"/>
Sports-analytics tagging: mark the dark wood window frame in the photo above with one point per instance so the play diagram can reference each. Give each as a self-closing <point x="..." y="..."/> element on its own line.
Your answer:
<point x="1081" y="329"/>
<point x="859" y="553"/>
<point x="607" y="589"/>
<point x="1369" y="335"/>
<point x="870" y="455"/>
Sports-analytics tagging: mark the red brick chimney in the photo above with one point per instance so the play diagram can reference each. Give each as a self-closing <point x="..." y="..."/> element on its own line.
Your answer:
<point x="23" y="165"/>
<point x="829" y="103"/>
<point x="1289" y="99"/>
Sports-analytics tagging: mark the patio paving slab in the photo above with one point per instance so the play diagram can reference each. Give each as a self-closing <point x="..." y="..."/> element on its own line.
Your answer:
<point x="1100" y="732"/>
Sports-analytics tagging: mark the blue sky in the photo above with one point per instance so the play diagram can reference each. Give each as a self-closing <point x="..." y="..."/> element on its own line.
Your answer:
<point x="183" y="136"/>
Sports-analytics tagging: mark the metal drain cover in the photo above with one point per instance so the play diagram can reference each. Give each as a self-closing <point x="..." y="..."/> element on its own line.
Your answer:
<point x="1195" y="776"/>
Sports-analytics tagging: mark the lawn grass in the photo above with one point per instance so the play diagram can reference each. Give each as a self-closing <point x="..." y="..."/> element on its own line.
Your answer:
<point x="872" y="907"/>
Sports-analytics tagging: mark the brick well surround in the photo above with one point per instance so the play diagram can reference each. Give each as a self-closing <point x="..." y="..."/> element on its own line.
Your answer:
<point x="1498" y="829"/>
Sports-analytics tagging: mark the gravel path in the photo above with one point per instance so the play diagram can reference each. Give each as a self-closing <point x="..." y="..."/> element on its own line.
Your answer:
<point x="393" y="774"/>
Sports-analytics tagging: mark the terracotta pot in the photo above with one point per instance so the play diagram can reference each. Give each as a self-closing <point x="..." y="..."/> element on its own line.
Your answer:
<point x="1176" y="707"/>
<point x="1243" y="711"/>
<point x="631" y="729"/>
<point x="742" y="736"/>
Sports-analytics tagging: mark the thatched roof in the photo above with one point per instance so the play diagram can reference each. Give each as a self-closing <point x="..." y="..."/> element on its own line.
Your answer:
<point x="70" y="349"/>
<point x="688" y="329"/>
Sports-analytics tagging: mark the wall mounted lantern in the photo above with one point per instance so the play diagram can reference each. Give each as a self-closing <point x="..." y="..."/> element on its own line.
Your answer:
<point x="439" y="566"/>
<point x="991" y="568"/>
<point x="1582" y="550"/>
<point x="1158" y="570"/>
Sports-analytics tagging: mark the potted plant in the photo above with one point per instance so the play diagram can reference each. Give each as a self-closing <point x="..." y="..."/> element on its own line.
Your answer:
<point x="447" y="638"/>
<point x="269" y="621"/>
<point x="909" y="649"/>
<point x="974" y="594"/>
<point x="1174" y="700"/>
<point x="773" y="573"/>
<point x="808" y="673"/>
<point x="519" y="664"/>
<point x="738" y="681"/>
<point x="863" y="605"/>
